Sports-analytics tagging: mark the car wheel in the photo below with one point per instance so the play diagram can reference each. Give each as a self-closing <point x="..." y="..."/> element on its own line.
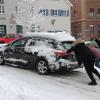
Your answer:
<point x="1" y="59"/>
<point x="42" y="67"/>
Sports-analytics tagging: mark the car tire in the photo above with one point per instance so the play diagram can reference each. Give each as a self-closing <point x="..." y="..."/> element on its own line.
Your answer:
<point x="42" y="67"/>
<point x="1" y="59"/>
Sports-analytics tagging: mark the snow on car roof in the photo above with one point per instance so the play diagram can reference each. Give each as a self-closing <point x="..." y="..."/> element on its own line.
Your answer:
<point x="87" y="42"/>
<point x="60" y="36"/>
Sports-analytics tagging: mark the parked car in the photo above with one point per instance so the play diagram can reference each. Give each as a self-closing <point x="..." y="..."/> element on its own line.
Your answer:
<point x="9" y="38"/>
<point x="96" y="52"/>
<point x="43" y="52"/>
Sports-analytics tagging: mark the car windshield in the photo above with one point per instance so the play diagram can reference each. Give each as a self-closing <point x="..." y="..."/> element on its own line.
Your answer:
<point x="67" y="44"/>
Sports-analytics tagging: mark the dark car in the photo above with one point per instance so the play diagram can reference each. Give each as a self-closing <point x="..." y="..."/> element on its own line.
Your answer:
<point x="42" y="53"/>
<point x="9" y="38"/>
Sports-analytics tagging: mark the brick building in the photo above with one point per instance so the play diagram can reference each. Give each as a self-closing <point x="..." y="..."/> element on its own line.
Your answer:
<point x="85" y="18"/>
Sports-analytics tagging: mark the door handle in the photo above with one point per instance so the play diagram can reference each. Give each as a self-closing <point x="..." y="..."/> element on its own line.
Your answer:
<point x="29" y="49"/>
<point x="35" y="53"/>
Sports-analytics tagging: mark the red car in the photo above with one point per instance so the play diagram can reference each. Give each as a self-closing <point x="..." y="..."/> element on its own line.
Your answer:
<point x="9" y="38"/>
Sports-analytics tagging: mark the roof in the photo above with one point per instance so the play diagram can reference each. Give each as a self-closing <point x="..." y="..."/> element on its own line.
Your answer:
<point x="60" y="36"/>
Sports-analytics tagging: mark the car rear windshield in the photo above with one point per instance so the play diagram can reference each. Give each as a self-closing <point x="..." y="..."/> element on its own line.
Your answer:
<point x="67" y="44"/>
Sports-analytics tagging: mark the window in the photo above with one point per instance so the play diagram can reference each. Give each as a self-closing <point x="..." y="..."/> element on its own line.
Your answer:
<point x="67" y="12"/>
<point x="2" y="30"/>
<point x="98" y="12"/>
<point x="74" y="12"/>
<point x="33" y="28"/>
<point x="19" y="29"/>
<point x="98" y="29"/>
<point x="91" y="28"/>
<point x="44" y="12"/>
<point x="60" y="13"/>
<point x="38" y="29"/>
<point x="91" y="11"/>
<point x="53" y="12"/>
<point x="67" y="45"/>
<point x="19" y="43"/>
<point x="2" y="9"/>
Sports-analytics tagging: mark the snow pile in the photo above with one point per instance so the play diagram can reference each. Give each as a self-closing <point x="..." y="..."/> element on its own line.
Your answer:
<point x="43" y="49"/>
<point x="3" y="46"/>
<point x="47" y="52"/>
<point x="60" y="36"/>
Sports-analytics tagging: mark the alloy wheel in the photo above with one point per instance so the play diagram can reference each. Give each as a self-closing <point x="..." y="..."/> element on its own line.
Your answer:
<point x="42" y="67"/>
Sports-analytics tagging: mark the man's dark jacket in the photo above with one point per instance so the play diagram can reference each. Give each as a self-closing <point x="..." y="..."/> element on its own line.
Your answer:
<point x="83" y="54"/>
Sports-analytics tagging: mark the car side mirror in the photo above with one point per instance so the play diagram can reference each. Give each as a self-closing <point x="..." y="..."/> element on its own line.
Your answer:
<point x="8" y="45"/>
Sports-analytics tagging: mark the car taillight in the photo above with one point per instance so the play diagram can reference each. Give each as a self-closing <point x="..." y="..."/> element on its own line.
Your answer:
<point x="60" y="53"/>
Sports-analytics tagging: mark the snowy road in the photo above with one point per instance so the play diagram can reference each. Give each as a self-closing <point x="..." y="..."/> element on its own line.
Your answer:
<point x="20" y="84"/>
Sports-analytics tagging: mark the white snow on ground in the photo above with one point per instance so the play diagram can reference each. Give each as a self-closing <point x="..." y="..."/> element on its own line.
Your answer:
<point x="20" y="84"/>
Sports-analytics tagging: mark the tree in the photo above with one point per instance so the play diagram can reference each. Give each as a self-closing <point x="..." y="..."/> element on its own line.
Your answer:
<point x="27" y="13"/>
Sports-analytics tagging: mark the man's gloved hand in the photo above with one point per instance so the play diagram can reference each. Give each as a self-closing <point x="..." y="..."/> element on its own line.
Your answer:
<point x="82" y="65"/>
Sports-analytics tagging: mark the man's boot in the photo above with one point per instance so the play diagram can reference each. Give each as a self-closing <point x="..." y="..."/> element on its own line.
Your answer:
<point x="93" y="83"/>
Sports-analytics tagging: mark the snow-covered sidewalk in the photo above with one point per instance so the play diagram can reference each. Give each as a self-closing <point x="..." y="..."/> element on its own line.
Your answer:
<point x="20" y="84"/>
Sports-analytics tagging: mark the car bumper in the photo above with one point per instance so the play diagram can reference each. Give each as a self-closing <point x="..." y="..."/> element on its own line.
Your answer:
<point x="69" y="64"/>
<point x="61" y="63"/>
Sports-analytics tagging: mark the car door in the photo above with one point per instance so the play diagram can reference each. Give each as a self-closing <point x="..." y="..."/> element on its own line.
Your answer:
<point x="14" y="51"/>
<point x="31" y="52"/>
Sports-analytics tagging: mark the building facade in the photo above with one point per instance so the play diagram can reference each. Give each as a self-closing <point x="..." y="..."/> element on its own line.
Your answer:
<point x="51" y="16"/>
<point x="55" y="15"/>
<point x="85" y="18"/>
<point x="7" y="16"/>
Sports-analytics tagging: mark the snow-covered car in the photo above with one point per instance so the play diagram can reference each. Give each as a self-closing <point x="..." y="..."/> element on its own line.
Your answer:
<point x="43" y="51"/>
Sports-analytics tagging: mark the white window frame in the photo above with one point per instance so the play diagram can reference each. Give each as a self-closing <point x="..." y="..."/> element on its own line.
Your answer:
<point x="2" y="9"/>
<point x="91" y="28"/>
<point x="2" y="29"/>
<point x="92" y="12"/>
